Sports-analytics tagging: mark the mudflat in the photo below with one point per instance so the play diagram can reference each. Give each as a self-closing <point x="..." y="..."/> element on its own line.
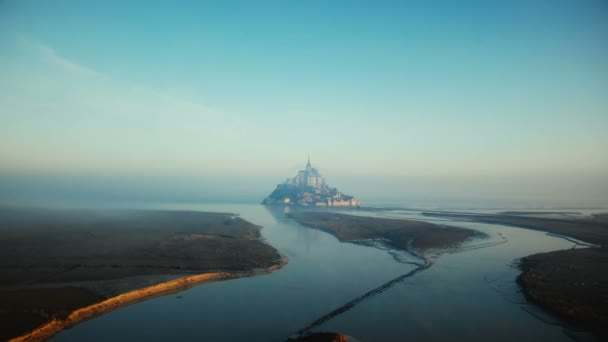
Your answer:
<point x="573" y="284"/>
<point x="400" y="234"/>
<point x="53" y="262"/>
<point x="321" y="337"/>
<point x="593" y="230"/>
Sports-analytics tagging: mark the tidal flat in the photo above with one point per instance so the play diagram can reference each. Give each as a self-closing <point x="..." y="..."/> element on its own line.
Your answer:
<point x="572" y="284"/>
<point x="592" y="230"/>
<point x="54" y="262"/>
<point x="406" y="235"/>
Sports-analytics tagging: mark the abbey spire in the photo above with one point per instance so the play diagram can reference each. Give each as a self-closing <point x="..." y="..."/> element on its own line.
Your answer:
<point x="308" y="188"/>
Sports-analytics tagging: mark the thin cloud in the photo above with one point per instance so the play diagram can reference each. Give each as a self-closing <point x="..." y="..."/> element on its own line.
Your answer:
<point x="96" y="120"/>
<point x="52" y="56"/>
<point x="126" y="92"/>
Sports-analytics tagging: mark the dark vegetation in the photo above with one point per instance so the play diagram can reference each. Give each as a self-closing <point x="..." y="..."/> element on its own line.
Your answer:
<point x="399" y="234"/>
<point x="53" y="261"/>
<point x="321" y="337"/>
<point x="22" y="309"/>
<point x="285" y="191"/>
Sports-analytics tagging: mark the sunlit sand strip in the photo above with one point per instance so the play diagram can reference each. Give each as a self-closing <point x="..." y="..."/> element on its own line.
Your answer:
<point x="54" y="326"/>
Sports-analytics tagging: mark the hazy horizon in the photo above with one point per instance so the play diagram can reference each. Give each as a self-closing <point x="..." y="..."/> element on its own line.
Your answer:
<point x="44" y="189"/>
<point x="413" y="101"/>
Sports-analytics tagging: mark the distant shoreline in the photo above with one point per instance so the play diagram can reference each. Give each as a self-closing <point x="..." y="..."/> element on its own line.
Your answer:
<point x="594" y="230"/>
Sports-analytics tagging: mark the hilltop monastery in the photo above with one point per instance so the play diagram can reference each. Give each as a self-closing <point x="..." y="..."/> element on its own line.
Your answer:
<point x="308" y="188"/>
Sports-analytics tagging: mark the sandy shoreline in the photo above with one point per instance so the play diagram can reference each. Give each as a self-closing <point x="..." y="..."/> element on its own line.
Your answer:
<point x="54" y="326"/>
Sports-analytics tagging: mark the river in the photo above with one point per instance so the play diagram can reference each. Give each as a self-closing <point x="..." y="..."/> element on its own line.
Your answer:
<point x="467" y="294"/>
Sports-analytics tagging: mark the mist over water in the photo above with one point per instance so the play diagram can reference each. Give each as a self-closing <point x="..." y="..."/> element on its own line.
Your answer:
<point x="487" y="103"/>
<point x="89" y="190"/>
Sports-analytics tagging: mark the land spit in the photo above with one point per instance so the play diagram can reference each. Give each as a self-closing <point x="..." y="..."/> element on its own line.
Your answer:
<point x="593" y="230"/>
<point x="53" y="327"/>
<point x="414" y="237"/>
<point x="407" y="235"/>
<point x="62" y="267"/>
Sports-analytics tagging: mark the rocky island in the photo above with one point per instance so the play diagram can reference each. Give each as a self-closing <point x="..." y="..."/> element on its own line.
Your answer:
<point x="308" y="188"/>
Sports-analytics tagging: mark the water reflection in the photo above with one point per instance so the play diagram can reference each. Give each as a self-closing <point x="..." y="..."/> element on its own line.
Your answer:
<point x="470" y="295"/>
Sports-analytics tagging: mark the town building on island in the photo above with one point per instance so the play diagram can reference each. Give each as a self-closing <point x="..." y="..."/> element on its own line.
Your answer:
<point x="308" y="188"/>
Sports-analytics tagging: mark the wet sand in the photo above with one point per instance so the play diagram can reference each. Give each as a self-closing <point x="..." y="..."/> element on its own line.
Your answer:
<point x="593" y="230"/>
<point x="573" y="284"/>
<point x="60" y="267"/>
<point x="321" y="337"/>
<point x="407" y="235"/>
<point x="414" y="237"/>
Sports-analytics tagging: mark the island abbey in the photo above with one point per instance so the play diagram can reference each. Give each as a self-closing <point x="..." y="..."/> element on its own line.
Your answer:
<point x="308" y="188"/>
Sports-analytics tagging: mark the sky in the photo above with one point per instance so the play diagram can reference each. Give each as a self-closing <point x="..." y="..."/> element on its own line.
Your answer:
<point x="192" y="100"/>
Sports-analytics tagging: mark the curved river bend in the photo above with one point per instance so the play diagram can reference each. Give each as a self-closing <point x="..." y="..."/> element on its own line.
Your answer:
<point x="466" y="295"/>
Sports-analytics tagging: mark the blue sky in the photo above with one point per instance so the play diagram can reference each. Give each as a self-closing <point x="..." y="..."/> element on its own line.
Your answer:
<point x="483" y="98"/>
